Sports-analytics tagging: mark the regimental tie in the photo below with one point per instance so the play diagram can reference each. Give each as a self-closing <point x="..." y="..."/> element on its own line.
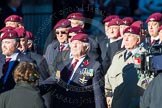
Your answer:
<point x="61" y="47"/>
<point x="5" y="66"/>
<point x="72" y="69"/>
<point x="153" y="42"/>
<point x="128" y="54"/>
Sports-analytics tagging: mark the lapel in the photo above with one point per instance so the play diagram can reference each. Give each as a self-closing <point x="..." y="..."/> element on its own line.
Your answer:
<point x="63" y="67"/>
<point x="2" y="62"/>
<point x="11" y="65"/>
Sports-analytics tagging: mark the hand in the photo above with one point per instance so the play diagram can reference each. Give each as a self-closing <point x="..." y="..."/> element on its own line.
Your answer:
<point x="109" y="101"/>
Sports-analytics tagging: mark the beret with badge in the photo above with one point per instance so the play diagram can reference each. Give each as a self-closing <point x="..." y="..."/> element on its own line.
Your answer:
<point x="137" y="23"/>
<point x="109" y="18"/>
<point x="20" y="32"/>
<point x="29" y="35"/>
<point x="132" y="30"/>
<point x="126" y="21"/>
<point x="76" y="16"/>
<point x="9" y="35"/>
<point x="81" y="37"/>
<point x="63" y="23"/>
<point x="77" y="29"/>
<point x="4" y="29"/>
<point x="114" y="22"/>
<point x="154" y="17"/>
<point x="14" y="18"/>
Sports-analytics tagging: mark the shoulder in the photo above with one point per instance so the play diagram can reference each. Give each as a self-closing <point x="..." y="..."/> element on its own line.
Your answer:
<point x="120" y="52"/>
<point x="22" y="57"/>
<point x="53" y="44"/>
<point x="5" y="96"/>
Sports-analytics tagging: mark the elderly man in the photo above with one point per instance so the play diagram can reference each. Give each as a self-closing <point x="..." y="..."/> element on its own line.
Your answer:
<point x="59" y="45"/>
<point x="76" y="19"/>
<point x="79" y="79"/>
<point x="13" y="21"/>
<point x="9" y="59"/>
<point x="122" y="86"/>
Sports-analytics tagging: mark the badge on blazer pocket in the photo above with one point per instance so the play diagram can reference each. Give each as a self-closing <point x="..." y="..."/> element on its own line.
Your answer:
<point x="85" y="75"/>
<point x="87" y="72"/>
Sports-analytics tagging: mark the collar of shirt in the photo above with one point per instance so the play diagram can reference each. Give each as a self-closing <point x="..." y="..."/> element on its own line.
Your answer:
<point x="13" y="56"/>
<point x="79" y="62"/>
<point x="155" y="38"/>
<point x="134" y="51"/>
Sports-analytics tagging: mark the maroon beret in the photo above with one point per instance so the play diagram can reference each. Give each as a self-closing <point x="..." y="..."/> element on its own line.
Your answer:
<point x="9" y="35"/>
<point x="20" y="32"/>
<point x="109" y="18"/>
<point x="154" y="17"/>
<point x="126" y="21"/>
<point x="77" y="29"/>
<point x="81" y="37"/>
<point x="137" y="23"/>
<point x="114" y="22"/>
<point x="64" y="23"/>
<point x="29" y="35"/>
<point x="4" y="29"/>
<point x="13" y="18"/>
<point x="76" y="16"/>
<point x="132" y="30"/>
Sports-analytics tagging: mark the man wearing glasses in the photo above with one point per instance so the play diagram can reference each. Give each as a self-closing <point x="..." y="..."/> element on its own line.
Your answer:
<point x="59" y="45"/>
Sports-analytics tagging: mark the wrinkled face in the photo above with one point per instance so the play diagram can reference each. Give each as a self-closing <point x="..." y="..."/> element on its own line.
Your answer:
<point x="78" y="48"/>
<point x="23" y="44"/>
<point x="122" y="28"/>
<point x="113" y="31"/>
<point x="12" y="24"/>
<point x="9" y="46"/>
<point x="75" y="23"/>
<point x="61" y="34"/>
<point x="131" y="41"/>
<point x="153" y="28"/>
<point x="107" y="29"/>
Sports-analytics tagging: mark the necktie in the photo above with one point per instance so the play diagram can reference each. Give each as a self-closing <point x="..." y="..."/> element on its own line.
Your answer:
<point x="152" y="42"/>
<point x="72" y="68"/>
<point x="128" y="55"/>
<point x="5" y="66"/>
<point x="61" y="48"/>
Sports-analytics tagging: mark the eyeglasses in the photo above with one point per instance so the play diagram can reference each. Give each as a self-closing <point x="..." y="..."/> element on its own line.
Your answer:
<point x="62" y="32"/>
<point x="69" y="36"/>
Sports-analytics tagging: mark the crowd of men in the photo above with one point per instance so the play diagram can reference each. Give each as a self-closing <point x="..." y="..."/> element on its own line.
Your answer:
<point x="80" y="71"/>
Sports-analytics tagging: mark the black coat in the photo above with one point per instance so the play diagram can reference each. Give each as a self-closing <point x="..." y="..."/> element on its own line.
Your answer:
<point x="88" y="94"/>
<point x="152" y="96"/>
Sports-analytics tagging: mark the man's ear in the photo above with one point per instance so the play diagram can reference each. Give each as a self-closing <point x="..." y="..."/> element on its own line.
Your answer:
<point x="87" y="48"/>
<point x="17" y="44"/>
<point x="139" y="41"/>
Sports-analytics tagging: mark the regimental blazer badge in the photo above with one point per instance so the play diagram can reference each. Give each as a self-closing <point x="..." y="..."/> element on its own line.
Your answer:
<point x="85" y="73"/>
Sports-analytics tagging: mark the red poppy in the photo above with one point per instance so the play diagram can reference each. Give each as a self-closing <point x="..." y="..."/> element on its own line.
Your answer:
<point x="86" y="63"/>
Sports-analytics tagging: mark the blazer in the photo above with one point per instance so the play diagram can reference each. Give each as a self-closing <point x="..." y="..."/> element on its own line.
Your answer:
<point x="6" y="80"/>
<point x="85" y="89"/>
